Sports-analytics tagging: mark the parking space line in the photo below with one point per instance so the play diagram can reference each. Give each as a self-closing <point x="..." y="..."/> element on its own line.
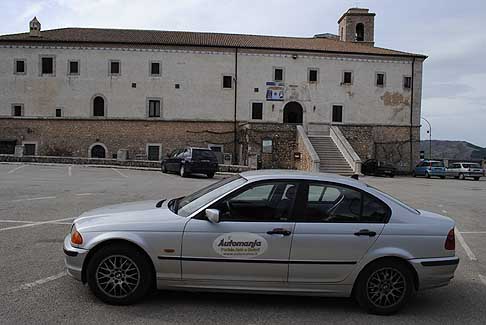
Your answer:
<point x="70" y="170"/>
<point x="16" y="221"/>
<point x="35" y="198"/>
<point x="15" y="169"/>
<point x="40" y="281"/>
<point x="35" y="224"/>
<point x="119" y="172"/>
<point x="84" y="194"/>
<point x="464" y="245"/>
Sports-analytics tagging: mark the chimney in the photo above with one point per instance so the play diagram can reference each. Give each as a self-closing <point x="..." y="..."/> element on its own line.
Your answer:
<point x="357" y="25"/>
<point x="34" y="28"/>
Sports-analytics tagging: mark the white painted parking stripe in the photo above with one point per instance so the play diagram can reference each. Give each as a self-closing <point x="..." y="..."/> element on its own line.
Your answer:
<point x="84" y="194"/>
<point x="70" y="170"/>
<point x="482" y="278"/>
<point x="35" y="198"/>
<point x="119" y="172"/>
<point x="41" y="281"/>
<point x="464" y="245"/>
<point x="35" y="224"/>
<point x="16" y="221"/>
<point x="15" y="169"/>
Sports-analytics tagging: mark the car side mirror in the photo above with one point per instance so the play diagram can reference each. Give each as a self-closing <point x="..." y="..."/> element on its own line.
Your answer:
<point x="212" y="215"/>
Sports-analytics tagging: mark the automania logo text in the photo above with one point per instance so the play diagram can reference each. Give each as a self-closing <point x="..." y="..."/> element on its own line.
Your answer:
<point x="232" y="243"/>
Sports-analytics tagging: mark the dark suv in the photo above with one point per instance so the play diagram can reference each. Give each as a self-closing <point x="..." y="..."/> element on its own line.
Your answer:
<point x="191" y="161"/>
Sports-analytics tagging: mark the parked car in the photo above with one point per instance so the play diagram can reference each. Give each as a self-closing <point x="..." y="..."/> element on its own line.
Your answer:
<point x="191" y="160"/>
<point x="463" y="170"/>
<point x="267" y="231"/>
<point x="378" y="168"/>
<point x="429" y="168"/>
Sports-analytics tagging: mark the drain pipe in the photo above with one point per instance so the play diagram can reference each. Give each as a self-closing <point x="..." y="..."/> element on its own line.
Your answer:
<point x="235" y="127"/>
<point x="411" y="114"/>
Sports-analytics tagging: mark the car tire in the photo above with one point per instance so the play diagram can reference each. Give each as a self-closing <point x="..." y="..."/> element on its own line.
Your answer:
<point x="130" y="277"/>
<point x="164" y="169"/>
<point x="182" y="171"/>
<point x="476" y="178"/>
<point x="442" y="177"/>
<point x="413" y="174"/>
<point x="392" y="175"/>
<point x="427" y="174"/>
<point x="377" y="284"/>
<point x="210" y="175"/>
<point x="461" y="177"/>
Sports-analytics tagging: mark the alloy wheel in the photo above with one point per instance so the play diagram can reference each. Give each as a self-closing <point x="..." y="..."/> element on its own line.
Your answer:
<point x="386" y="287"/>
<point x="117" y="276"/>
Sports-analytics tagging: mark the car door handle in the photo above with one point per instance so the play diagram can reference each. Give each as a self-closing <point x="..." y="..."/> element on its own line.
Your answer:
<point x="279" y="231"/>
<point x="365" y="232"/>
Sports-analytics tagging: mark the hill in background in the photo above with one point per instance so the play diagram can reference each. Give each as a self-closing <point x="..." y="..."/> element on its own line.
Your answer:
<point x="454" y="150"/>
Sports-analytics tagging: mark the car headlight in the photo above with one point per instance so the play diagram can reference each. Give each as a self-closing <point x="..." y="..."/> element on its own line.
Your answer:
<point x="76" y="237"/>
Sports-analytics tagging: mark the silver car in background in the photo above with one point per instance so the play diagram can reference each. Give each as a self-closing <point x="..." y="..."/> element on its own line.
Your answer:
<point x="463" y="170"/>
<point x="281" y="232"/>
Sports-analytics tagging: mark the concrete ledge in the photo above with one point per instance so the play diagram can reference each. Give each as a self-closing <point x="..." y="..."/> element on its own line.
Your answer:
<point x="97" y="162"/>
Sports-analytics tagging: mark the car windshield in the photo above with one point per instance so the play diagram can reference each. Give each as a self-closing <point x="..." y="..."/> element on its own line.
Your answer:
<point x="203" y="154"/>
<point x="189" y="204"/>
<point x="436" y="164"/>
<point x="397" y="201"/>
<point x="471" y="165"/>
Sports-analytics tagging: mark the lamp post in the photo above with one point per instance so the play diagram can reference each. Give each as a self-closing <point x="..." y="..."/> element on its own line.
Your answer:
<point x="430" y="137"/>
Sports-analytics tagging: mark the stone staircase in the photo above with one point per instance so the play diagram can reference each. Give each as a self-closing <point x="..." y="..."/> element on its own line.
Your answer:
<point x="331" y="159"/>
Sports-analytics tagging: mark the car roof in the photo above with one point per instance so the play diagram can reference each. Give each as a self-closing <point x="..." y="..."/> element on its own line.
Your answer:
<point x="199" y="148"/>
<point x="266" y="174"/>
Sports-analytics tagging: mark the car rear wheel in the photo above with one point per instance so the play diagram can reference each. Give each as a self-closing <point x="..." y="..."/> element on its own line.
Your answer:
<point x="413" y="174"/>
<point x="164" y="169"/>
<point x="461" y="177"/>
<point x="476" y="178"/>
<point x="427" y="174"/>
<point x="120" y="275"/>
<point x="182" y="171"/>
<point x="210" y="175"/>
<point x="384" y="287"/>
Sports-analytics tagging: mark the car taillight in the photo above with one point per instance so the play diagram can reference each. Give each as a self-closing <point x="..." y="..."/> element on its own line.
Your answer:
<point x="450" y="243"/>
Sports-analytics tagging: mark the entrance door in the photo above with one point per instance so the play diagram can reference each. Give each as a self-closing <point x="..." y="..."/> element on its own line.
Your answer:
<point x="335" y="227"/>
<point x="293" y="113"/>
<point x="153" y="153"/>
<point x="98" y="152"/>
<point x="250" y="243"/>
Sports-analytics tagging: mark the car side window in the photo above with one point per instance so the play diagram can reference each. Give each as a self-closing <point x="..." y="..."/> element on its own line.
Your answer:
<point x="373" y="210"/>
<point x="259" y="202"/>
<point x="339" y="204"/>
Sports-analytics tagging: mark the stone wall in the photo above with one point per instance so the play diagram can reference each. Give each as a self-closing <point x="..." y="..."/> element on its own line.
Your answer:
<point x="73" y="137"/>
<point x="284" y="145"/>
<point x="385" y="143"/>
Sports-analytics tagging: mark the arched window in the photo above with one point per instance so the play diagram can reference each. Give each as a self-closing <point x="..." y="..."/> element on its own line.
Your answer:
<point x="359" y="32"/>
<point x="98" y="106"/>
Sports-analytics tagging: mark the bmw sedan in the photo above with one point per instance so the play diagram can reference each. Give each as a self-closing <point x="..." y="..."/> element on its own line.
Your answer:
<point x="280" y="232"/>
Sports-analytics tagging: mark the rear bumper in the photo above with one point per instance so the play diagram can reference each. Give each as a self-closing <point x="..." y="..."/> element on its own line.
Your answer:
<point x="73" y="259"/>
<point x="435" y="272"/>
<point x="196" y="168"/>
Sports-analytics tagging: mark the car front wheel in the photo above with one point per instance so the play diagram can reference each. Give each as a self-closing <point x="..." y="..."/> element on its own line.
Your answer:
<point x="120" y="275"/>
<point x="384" y="287"/>
<point x="461" y="177"/>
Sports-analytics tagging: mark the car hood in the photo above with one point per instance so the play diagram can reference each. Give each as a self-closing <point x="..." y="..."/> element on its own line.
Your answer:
<point x="133" y="216"/>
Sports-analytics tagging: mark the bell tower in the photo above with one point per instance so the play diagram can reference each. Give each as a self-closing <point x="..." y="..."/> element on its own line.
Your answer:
<point x="34" y="28"/>
<point x="357" y="25"/>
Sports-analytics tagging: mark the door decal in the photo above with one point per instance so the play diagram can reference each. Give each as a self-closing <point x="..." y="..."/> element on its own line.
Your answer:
<point x="236" y="244"/>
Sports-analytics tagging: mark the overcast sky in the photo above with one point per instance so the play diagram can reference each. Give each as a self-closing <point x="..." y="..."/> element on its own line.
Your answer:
<point x="450" y="32"/>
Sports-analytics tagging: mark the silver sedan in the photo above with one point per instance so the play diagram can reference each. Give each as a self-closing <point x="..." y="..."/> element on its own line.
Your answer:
<point x="281" y="232"/>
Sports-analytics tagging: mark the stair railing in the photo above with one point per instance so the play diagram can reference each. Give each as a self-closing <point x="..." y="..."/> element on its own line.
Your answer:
<point x="346" y="149"/>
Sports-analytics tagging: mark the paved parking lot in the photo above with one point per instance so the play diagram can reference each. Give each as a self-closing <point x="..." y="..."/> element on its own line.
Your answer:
<point x="37" y="204"/>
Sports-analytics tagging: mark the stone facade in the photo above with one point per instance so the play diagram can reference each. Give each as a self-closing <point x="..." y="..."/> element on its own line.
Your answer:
<point x="74" y="137"/>
<point x="384" y="143"/>
<point x="283" y="137"/>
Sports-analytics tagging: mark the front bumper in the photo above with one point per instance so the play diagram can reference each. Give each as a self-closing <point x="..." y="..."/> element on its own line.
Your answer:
<point x="435" y="272"/>
<point x="73" y="259"/>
